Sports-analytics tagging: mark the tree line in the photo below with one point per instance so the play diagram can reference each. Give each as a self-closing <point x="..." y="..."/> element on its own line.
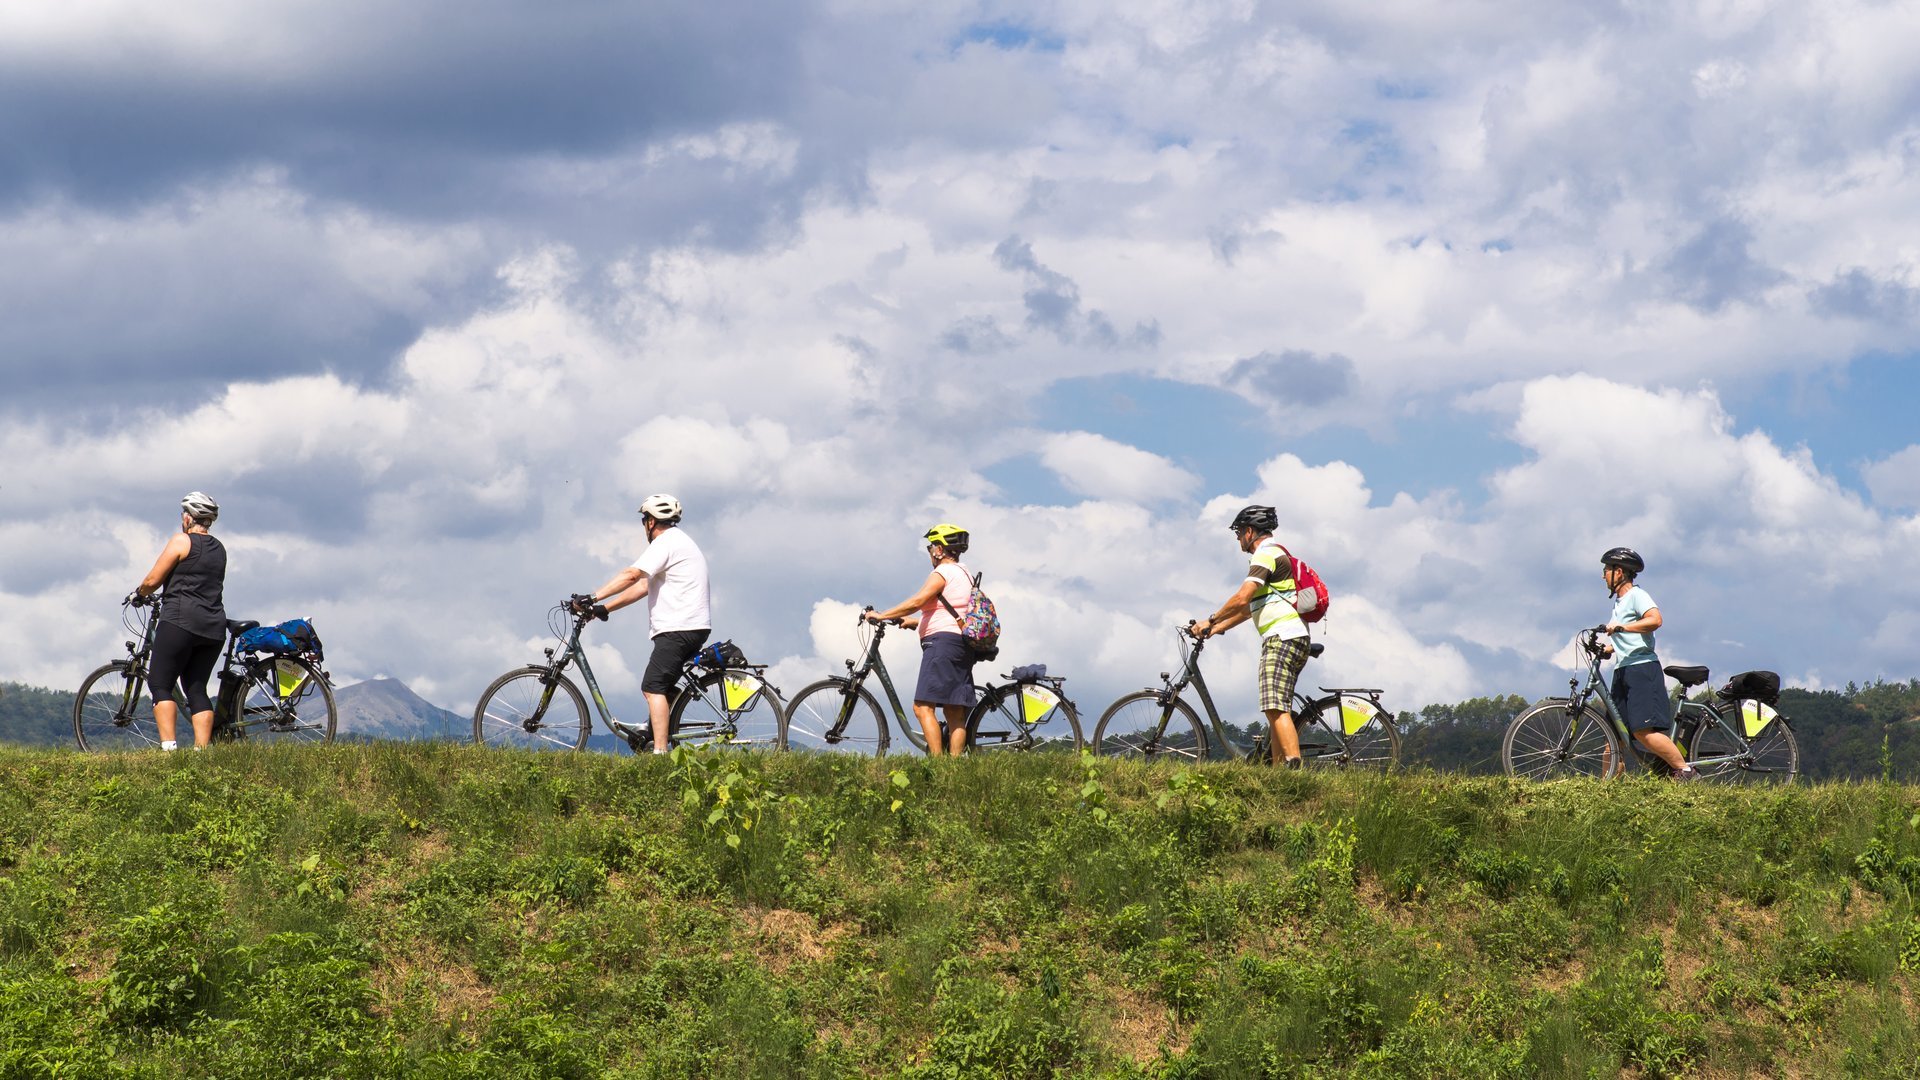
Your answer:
<point x="1863" y="732"/>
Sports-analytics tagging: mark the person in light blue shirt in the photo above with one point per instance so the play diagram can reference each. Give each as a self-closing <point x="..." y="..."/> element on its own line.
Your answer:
<point x="1639" y="687"/>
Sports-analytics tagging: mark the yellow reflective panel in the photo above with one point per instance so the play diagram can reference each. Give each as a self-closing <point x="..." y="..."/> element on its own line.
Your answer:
<point x="740" y="690"/>
<point x="1356" y="713"/>
<point x="1755" y="717"/>
<point x="288" y="676"/>
<point x="1037" y="701"/>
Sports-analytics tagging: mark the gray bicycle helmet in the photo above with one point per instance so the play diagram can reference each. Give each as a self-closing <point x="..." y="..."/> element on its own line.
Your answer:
<point x="661" y="508"/>
<point x="1261" y="519"/>
<point x="1624" y="558"/>
<point x="200" y="506"/>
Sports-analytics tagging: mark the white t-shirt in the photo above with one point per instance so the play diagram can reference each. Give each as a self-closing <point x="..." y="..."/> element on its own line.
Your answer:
<point x="677" y="593"/>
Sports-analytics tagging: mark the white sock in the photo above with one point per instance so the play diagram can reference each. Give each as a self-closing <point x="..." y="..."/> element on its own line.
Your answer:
<point x="169" y="744"/>
<point x="659" y="749"/>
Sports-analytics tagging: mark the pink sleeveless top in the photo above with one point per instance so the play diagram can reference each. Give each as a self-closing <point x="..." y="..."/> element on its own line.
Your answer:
<point x="934" y="618"/>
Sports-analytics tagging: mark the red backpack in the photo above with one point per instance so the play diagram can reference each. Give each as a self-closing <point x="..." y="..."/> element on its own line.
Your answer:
<point x="1309" y="592"/>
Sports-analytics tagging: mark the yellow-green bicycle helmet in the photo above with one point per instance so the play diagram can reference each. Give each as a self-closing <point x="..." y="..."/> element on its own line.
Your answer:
<point x="951" y="537"/>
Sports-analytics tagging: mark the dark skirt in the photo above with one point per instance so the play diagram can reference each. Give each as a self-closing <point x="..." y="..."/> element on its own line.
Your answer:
<point x="946" y="674"/>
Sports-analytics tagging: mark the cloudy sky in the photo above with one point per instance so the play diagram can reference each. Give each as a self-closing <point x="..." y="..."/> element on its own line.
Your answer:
<point x="430" y="296"/>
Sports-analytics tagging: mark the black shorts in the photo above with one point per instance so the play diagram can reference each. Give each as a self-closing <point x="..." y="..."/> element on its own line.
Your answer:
<point x="671" y="651"/>
<point x="946" y="672"/>
<point x="182" y="657"/>
<point x="1640" y="693"/>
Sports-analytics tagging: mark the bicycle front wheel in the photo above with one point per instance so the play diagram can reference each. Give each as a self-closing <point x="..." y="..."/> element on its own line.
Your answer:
<point x="1148" y="724"/>
<point x="1348" y="732"/>
<point x="735" y="709"/>
<point x="532" y="711"/>
<point x="1771" y="757"/>
<point x="1549" y="741"/>
<point x="1026" y="716"/>
<point x="280" y="699"/>
<point x="835" y="716"/>
<point x="113" y="712"/>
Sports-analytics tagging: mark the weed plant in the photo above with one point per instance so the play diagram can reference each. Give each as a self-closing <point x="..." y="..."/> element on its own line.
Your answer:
<point x="442" y="911"/>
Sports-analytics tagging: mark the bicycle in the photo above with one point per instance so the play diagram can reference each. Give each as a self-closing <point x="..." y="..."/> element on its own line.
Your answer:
<point x="1008" y="715"/>
<point x="1571" y="736"/>
<point x="262" y="695"/>
<point x="838" y="713"/>
<point x="539" y="707"/>
<point x="1348" y="728"/>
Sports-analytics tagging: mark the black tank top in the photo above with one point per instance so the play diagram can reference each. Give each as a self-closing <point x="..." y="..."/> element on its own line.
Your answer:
<point x="193" y="597"/>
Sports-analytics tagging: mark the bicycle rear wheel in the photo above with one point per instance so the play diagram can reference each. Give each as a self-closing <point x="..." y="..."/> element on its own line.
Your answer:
<point x="1148" y="724"/>
<point x="835" y="716"/>
<point x="528" y="710"/>
<point x="1548" y="741"/>
<point x="736" y="709"/>
<point x="1347" y="731"/>
<point x="279" y="699"/>
<point x="113" y="712"/>
<point x="1013" y="718"/>
<point x="1771" y="757"/>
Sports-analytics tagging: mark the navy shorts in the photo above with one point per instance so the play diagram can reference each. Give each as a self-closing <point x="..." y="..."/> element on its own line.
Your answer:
<point x="671" y="651"/>
<point x="946" y="673"/>
<point x="1640" y="693"/>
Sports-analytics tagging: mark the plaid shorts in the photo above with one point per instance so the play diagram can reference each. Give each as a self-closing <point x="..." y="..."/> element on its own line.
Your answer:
<point x="1280" y="662"/>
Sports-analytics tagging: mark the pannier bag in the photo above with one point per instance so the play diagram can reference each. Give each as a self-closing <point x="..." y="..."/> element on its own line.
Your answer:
<point x="295" y="637"/>
<point x="1760" y="686"/>
<point x="721" y="655"/>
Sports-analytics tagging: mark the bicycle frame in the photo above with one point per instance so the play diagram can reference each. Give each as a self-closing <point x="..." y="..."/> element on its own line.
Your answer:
<point x="1579" y="697"/>
<point x="873" y="664"/>
<point x="1219" y="746"/>
<point x="572" y="653"/>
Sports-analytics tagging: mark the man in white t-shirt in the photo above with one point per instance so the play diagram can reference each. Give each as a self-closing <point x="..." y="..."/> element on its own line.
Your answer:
<point x="672" y="575"/>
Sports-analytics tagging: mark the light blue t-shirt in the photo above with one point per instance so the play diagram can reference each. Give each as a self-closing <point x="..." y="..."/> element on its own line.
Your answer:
<point x="1632" y="648"/>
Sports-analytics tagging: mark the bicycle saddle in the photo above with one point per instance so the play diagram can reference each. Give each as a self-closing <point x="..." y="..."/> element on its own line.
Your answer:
<point x="1315" y="649"/>
<point x="238" y="628"/>
<point x="1686" y="675"/>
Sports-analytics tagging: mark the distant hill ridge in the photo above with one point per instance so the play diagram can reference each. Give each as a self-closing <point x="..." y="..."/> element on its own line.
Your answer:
<point x="374" y="709"/>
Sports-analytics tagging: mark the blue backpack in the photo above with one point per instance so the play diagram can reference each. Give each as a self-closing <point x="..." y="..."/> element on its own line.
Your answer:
<point x="295" y="637"/>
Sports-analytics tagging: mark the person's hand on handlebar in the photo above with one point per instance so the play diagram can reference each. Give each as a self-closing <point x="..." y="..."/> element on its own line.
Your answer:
<point x="583" y="604"/>
<point x="867" y="614"/>
<point x="134" y="599"/>
<point x="1199" y="629"/>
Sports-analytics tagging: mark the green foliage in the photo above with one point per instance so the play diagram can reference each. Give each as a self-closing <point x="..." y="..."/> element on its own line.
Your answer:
<point x="420" y="910"/>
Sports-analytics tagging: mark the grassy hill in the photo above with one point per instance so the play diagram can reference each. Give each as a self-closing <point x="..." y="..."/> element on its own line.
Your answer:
<point x="436" y="910"/>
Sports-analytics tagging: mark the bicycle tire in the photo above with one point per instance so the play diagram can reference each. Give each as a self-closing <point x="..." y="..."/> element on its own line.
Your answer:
<point x="100" y="725"/>
<point x="1142" y="724"/>
<point x="1004" y="710"/>
<point x="279" y="699"/>
<point x="1772" y="757"/>
<point x="509" y="714"/>
<point x="740" y="701"/>
<point x="810" y="719"/>
<point x="1374" y="744"/>
<point x="1531" y="747"/>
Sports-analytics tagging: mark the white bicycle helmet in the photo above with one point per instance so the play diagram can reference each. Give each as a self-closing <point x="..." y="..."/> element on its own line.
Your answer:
<point x="200" y="506"/>
<point x="661" y="508"/>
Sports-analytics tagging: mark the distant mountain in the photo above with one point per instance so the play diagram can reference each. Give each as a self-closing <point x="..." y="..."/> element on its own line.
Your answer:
<point x="387" y="709"/>
<point x="375" y="709"/>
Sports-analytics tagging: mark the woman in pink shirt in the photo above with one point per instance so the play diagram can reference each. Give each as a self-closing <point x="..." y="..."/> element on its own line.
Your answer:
<point x="946" y="672"/>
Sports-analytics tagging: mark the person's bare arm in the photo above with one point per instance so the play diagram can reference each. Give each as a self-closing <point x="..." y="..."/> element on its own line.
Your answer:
<point x="170" y="556"/>
<point x="935" y="582"/>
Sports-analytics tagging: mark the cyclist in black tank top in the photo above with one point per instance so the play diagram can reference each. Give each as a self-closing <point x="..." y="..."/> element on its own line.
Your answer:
<point x="193" y="620"/>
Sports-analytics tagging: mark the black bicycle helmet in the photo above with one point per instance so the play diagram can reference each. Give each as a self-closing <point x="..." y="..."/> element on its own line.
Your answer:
<point x="1624" y="558"/>
<point x="1261" y="519"/>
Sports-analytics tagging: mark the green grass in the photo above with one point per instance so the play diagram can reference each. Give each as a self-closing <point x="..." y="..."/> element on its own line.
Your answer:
<point x="432" y="910"/>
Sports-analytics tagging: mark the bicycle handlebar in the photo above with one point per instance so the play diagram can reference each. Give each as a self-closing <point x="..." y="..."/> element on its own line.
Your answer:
<point x="865" y="611"/>
<point x="584" y="607"/>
